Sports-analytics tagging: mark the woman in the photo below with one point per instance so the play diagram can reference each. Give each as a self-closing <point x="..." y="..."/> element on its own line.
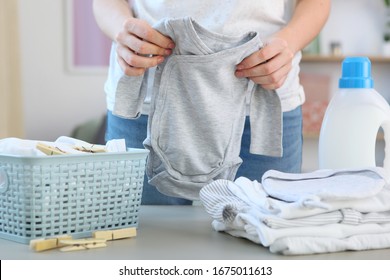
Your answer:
<point x="285" y="27"/>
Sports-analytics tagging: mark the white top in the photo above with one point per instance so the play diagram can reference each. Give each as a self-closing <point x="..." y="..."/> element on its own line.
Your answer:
<point x="227" y="17"/>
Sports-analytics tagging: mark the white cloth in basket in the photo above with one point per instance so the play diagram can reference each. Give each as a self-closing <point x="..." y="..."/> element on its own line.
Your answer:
<point x="23" y="147"/>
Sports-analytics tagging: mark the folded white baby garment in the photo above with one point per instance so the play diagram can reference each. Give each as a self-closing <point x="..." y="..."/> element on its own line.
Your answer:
<point x="342" y="216"/>
<point x="220" y="201"/>
<point x="316" y="245"/>
<point x="324" y="184"/>
<point x="20" y="147"/>
<point x="267" y="236"/>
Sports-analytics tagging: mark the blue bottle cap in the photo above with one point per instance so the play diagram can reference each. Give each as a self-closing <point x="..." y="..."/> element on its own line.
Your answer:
<point x="356" y="73"/>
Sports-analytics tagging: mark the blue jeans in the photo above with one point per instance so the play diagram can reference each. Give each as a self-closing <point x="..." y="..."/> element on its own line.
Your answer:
<point x="253" y="166"/>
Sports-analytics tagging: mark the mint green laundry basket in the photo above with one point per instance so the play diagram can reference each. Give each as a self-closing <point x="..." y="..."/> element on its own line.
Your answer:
<point x="75" y="195"/>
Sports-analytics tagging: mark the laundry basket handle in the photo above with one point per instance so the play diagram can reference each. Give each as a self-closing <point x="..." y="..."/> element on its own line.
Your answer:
<point x="3" y="181"/>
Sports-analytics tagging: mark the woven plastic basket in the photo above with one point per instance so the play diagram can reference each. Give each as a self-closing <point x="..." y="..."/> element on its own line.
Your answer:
<point x="73" y="194"/>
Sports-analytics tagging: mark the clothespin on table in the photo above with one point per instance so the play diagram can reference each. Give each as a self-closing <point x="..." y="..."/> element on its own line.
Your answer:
<point x="116" y="234"/>
<point x="66" y="244"/>
<point x="82" y="244"/>
<point x="39" y="245"/>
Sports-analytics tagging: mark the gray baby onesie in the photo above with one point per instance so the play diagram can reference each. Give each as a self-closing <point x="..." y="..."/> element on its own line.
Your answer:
<point x="198" y="109"/>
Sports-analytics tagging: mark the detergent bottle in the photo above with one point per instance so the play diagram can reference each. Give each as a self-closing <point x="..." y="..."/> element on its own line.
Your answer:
<point x="352" y="120"/>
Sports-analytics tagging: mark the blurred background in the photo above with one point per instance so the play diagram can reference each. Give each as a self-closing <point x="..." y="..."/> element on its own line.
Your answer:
<point x="53" y="65"/>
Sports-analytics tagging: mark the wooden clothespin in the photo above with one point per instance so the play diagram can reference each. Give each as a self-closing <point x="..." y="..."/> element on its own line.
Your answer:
<point x="49" y="150"/>
<point x="116" y="234"/>
<point x="92" y="148"/>
<point x="39" y="245"/>
<point x="82" y="244"/>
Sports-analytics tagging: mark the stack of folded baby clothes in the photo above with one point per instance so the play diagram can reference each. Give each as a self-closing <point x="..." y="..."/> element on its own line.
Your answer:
<point x="318" y="212"/>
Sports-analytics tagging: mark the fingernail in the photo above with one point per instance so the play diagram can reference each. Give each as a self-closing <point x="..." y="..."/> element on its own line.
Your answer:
<point x="239" y="74"/>
<point x="171" y="46"/>
<point x="160" y="59"/>
<point x="239" y="67"/>
<point x="167" y="52"/>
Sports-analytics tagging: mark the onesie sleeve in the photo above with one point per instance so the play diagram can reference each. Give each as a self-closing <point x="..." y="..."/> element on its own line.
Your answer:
<point x="266" y="121"/>
<point x="130" y="95"/>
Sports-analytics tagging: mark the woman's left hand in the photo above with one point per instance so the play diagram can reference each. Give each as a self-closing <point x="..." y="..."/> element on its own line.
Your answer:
<point x="269" y="66"/>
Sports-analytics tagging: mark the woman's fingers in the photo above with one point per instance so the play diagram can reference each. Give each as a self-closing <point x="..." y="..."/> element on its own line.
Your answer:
<point x="269" y="66"/>
<point x="129" y="60"/>
<point x="139" y="47"/>
<point x="145" y="32"/>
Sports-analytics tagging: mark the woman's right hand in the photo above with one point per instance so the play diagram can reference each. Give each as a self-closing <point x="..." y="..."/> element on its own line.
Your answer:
<point x="140" y="47"/>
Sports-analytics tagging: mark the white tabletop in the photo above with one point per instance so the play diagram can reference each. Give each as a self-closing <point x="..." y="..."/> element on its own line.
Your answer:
<point x="176" y="233"/>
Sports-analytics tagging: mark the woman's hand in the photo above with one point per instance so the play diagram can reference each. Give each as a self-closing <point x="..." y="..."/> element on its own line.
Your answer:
<point x="140" y="47"/>
<point x="269" y="66"/>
